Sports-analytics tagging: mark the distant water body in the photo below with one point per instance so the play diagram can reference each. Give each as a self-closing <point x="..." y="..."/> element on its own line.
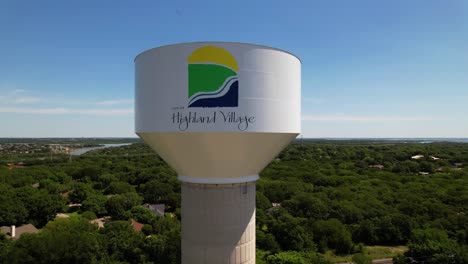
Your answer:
<point x="82" y="151"/>
<point x="399" y="140"/>
<point x="427" y="140"/>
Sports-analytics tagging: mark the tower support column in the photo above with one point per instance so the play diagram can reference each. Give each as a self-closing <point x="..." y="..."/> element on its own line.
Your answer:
<point x="218" y="223"/>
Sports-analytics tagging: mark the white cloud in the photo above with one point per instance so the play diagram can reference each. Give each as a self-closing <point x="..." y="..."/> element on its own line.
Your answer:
<point x="364" y="119"/>
<point x="61" y="110"/>
<point x="115" y="102"/>
<point x="19" y="96"/>
<point x="27" y="100"/>
<point x="17" y="91"/>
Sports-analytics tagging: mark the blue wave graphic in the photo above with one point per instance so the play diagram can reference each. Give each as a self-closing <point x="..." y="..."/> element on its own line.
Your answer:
<point x="229" y="99"/>
<point x="218" y="93"/>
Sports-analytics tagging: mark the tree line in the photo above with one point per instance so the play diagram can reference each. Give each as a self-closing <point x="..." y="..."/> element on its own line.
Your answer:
<point x="314" y="198"/>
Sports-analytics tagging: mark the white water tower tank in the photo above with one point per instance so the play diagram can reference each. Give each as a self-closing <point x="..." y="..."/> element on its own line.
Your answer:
<point x="218" y="113"/>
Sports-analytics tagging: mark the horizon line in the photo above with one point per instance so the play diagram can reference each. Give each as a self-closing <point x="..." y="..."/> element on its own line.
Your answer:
<point x="298" y="137"/>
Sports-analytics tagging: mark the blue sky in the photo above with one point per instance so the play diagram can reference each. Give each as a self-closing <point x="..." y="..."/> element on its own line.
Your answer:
<point x="369" y="68"/>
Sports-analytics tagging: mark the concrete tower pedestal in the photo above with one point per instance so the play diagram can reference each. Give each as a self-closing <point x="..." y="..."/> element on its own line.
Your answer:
<point x="218" y="223"/>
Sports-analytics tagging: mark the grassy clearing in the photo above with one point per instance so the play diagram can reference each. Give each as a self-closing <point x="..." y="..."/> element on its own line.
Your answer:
<point x="375" y="252"/>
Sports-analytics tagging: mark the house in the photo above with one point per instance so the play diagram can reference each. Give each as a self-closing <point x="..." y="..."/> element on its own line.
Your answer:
<point x="61" y="215"/>
<point x="440" y="169"/>
<point x="434" y="158"/>
<point x="15" y="166"/>
<point x="416" y="157"/>
<point x="65" y="194"/>
<point x="157" y="209"/>
<point x="14" y="233"/>
<point x="275" y="207"/>
<point x="458" y="165"/>
<point x="136" y="225"/>
<point x="71" y="205"/>
<point x="100" y="222"/>
<point x="423" y="173"/>
<point x="378" y="166"/>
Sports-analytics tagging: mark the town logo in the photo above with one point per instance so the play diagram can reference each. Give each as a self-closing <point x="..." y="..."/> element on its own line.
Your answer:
<point x="212" y="78"/>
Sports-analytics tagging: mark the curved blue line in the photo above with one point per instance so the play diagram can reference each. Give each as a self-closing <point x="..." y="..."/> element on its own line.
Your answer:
<point x="218" y="92"/>
<point x="229" y="99"/>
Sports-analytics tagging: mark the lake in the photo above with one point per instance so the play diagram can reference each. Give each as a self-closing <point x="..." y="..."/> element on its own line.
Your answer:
<point x="81" y="151"/>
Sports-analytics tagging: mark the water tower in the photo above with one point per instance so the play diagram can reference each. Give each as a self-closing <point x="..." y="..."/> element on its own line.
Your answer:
<point x="217" y="113"/>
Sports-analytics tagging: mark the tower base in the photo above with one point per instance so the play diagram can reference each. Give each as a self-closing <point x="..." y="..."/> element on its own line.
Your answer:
<point x="218" y="223"/>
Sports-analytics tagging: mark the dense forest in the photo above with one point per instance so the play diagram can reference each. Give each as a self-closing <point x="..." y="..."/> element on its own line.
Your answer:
<point x="316" y="202"/>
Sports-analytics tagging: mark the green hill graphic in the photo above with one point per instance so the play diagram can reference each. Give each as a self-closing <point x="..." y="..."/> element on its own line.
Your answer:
<point x="207" y="77"/>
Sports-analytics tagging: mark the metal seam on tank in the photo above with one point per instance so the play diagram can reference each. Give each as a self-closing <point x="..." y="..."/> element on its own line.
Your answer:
<point x="189" y="179"/>
<point x="203" y="185"/>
